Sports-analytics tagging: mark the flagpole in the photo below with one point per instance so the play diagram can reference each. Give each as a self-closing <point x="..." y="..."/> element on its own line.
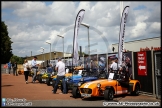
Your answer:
<point x="121" y="35"/>
<point x="79" y="17"/>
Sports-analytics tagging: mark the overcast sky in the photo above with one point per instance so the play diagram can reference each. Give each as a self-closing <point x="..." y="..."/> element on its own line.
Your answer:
<point x="31" y="24"/>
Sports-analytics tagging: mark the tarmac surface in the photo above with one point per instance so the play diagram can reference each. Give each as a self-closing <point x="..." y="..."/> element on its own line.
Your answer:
<point x="13" y="88"/>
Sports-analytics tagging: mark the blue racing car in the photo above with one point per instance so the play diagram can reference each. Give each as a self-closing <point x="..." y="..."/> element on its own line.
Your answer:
<point x="85" y="77"/>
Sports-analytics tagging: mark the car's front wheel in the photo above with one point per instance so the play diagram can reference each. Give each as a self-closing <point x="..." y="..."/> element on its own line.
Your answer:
<point x="108" y="94"/>
<point x="48" y="81"/>
<point x="75" y="92"/>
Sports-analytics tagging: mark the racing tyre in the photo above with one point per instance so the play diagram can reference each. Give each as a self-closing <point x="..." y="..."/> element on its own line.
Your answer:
<point x="48" y="81"/>
<point x="136" y="90"/>
<point x="53" y="83"/>
<point x="40" y="79"/>
<point x="108" y="94"/>
<point x="75" y="92"/>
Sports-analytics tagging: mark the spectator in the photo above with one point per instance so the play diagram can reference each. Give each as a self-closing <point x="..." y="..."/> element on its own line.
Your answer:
<point x="114" y="66"/>
<point x="34" y="68"/>
<point x="26" y="70"/>
<point x="128" y="67"/>
<point x="15" y="68"/>
<point x="9" y="65"/>
<point x="60" y="67"/>
<point x="50" y="69"/>
<point x="101" y="64"/>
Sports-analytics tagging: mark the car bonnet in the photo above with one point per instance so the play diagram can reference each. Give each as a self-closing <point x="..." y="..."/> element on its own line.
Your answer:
<point x="93" y="84"/>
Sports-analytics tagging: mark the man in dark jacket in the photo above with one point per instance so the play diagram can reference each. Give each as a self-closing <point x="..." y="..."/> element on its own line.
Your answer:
<point x="15" y="68"/>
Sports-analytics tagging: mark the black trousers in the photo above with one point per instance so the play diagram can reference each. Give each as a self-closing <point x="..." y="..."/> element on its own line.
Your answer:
<point x="63" y="83"/>
<point x="14" y="71"/>
<point x="26" y="74"/>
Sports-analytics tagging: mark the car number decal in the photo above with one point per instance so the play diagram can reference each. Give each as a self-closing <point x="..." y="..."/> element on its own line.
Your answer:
<point x="85" y="95"/>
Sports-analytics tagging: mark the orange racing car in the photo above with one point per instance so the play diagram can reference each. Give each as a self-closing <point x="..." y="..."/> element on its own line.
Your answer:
<point x="108" y="88"/>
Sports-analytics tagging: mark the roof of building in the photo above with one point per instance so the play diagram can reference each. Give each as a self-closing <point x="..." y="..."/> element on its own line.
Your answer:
<point x="140" y="39"/>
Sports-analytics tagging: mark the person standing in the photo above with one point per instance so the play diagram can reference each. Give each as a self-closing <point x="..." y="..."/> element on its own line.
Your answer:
<point x="60" y="68"/>
<point x="34" y="68"/>
<point x="9" y="65"/>
<point x="26" y="70"/>
<point x="15" y="69"/>
<point x="114" y="66"/>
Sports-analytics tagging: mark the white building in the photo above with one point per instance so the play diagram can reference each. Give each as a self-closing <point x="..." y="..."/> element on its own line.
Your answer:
<point x="135" y="45"/>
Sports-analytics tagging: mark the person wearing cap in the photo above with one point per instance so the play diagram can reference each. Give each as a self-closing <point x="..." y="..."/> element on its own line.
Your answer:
<point x="34" y="68"/>
<point x="60" y="68"/>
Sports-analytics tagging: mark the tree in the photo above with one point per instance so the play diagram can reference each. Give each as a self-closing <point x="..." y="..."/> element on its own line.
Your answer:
<point x="6" y="50"/>
<point x="17" y="59"/>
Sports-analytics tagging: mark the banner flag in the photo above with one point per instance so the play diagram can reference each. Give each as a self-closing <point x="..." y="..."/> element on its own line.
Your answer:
<point x="78" y="21"/>
<point x="121" y="35"/>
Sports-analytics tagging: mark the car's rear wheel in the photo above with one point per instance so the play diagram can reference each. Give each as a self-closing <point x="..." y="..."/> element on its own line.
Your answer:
<point x="108" y="94"/>
<point x="75" y="92"/>
<point x="40" y="79"/>
<point x="136" y="90"/>
<point x="48" y="81"/>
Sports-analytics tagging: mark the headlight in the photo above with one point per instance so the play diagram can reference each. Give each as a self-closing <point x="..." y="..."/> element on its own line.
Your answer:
<point x="98" y="85"/>
<point x="82" y="79"/>
<point x="79" y="84"/>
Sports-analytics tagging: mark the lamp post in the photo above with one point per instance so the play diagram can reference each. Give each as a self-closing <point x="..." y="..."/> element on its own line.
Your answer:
<point x="50" y="48"/>
<point x="63" y="43"/>
<point x="86" y="25"/>
<point x="54" y="55"/>
<point x="43" y="54"/>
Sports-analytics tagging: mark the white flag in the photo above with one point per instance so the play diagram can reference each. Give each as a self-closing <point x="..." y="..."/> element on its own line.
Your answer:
<point x="121" y="35"/>
<point x="78" y="21"/>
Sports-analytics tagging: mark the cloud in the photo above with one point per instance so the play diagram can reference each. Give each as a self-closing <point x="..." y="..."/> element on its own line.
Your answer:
<point x="32" y="23"/>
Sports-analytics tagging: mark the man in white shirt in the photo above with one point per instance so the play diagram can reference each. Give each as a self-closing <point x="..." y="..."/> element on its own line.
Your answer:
<point x="60" y="68"/>
<point x="34" y="68"/>
<point x="114" y="65"/>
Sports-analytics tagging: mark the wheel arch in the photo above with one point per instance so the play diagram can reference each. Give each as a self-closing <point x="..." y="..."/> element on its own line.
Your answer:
<point x="110" y="87"/>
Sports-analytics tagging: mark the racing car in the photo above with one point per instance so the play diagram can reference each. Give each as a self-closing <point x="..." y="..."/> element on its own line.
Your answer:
<point x="51" y="78"/>
<point x="115" y="84"/>
<point x="67" y="76"/>
<point x="86" y="77"/>
<point x="47" y="76"/>
<point x="40" y="73"/>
